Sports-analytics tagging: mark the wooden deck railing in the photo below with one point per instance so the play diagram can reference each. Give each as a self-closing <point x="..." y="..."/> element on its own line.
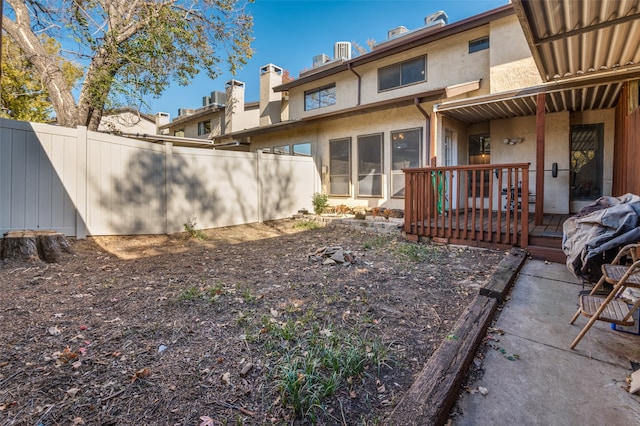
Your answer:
<point x="483" y="205"/>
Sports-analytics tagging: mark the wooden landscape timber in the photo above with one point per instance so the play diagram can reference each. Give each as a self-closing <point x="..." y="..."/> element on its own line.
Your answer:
<point x="32" y="246"/>
<point x="435" y="390"/>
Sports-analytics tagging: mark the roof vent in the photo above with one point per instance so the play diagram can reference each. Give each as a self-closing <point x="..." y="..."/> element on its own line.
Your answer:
<point x="320" y="59"/>
<point x="185" y="111"/>
<point x="342" y="50"/>
<point x="439" y="18"/>
<point x="397" y="31"/>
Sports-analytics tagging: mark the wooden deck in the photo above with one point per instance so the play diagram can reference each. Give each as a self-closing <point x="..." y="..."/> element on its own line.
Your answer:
<point x="544" y="241"/>
<point x="480" y="205"/>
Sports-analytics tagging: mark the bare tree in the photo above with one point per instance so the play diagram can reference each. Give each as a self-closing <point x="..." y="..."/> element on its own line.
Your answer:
<point x="131" y="48"/>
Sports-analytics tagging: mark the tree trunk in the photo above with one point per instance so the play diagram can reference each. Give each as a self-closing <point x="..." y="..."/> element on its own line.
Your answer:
<point x="32" y="246"/>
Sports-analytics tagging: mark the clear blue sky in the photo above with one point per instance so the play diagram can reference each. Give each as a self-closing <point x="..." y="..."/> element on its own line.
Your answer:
<point x="288" y="33"/>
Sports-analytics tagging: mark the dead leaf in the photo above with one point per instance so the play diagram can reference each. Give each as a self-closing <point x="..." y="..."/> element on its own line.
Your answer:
<point x="206" y="421"/>
<point x="65" y="356"/>
<point x="78" y="421"/>
<point x="72" y="393"/>
<point x="226" y="378"/>
<point x="76" y="365"/>
<point x="54" y="331"/>
<point x="140" y="374"/>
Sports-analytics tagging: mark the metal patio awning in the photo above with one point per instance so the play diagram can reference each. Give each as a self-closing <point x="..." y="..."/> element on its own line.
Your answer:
<point x="569" y="38"/>
<point x="578" y="94"/>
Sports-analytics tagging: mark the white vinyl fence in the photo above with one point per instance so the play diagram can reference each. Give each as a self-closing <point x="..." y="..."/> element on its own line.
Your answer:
<point x="88" y="183"/>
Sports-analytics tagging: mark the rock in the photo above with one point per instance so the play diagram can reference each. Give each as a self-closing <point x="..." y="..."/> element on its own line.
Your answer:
<point x="246" y="370"/>
<point x="329" y="261"/>
<point x="338" y="256"/>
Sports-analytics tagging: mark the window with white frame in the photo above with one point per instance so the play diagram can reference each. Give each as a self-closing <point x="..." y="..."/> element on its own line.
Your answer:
<point x="340" y="167"/>
<point x="320" y="98"/>
<point x="402" y="74"/>
<point x="204" y="128"/>
<point x="405" y="153"/>
<point x="179" y="133"/>
<point x="370" y="165"/>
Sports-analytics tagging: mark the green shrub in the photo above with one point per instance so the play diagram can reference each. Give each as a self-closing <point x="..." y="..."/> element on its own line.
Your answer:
<point x="320" y="202"/>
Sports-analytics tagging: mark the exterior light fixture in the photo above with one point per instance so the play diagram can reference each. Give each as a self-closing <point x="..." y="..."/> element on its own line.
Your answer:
<point x="512" y="141"/>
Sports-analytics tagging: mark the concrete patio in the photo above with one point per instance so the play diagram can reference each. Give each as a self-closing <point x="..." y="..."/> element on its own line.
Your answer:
<point x="547" y="383"/>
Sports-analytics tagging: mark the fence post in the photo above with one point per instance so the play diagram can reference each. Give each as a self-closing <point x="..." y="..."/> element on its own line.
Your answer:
<point x="260" y="189"/>
<point x="81" y="179"/>
<point x="168" y="187"/>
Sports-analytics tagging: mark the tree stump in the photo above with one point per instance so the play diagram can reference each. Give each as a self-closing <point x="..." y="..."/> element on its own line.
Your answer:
<point x="32" y="246"/>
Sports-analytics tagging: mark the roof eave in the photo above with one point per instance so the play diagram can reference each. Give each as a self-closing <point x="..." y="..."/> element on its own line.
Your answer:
<point x="406" y="43"/>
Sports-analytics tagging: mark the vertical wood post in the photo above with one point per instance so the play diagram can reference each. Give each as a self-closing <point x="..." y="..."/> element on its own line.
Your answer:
<point x="540" y="121"/>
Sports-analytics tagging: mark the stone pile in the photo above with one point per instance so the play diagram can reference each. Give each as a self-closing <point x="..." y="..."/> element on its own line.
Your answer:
<point x="333" y="256"/>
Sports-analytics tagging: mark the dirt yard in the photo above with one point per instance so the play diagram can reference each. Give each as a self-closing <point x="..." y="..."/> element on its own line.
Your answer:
<point x="241" y="328"/>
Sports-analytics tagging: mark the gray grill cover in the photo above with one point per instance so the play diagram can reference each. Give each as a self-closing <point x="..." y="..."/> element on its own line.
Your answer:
<point x="594" y="235"/>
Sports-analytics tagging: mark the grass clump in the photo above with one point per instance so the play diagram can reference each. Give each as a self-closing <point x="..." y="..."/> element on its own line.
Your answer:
<point x="313" y="361"/>
<point x="195" y="293"/>
<point x="306" y="224"/>
<point x="417" y="252"/>
<point x="377" y="242"/>
<point x="190" y="227"/>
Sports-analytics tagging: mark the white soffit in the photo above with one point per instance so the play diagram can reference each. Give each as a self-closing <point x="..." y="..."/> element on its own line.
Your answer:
<point x="574" y="37"/>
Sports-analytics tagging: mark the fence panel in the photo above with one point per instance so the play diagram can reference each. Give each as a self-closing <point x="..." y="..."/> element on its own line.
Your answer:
<point x="37" y="172"/>
<point x="80" y="183"/>
<point x="125" y="186"/>
<point x="287" y="184"/>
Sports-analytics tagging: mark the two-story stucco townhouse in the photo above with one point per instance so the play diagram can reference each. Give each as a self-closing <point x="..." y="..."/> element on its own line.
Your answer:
<point x="367" y="118"/>
<point x="469" y="92"/>
<point x="222" y="112"/>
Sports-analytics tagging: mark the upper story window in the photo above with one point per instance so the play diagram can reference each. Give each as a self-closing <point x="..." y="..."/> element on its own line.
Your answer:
<point x="320" y="98"/>
<point x="179" y="132"/>
<point x="204" y="128"/>
<point x="403" y="73"/>
<point x="478" y="44"/>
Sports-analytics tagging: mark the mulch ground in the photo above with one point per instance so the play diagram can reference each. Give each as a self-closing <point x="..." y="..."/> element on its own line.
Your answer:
<point x="243" y="327"/>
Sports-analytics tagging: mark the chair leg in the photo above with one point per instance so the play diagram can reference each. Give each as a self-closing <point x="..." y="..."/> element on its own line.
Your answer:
<point x="593" y="290"/>
<point x="595" y="317"/>
<point x="575" y="316"/>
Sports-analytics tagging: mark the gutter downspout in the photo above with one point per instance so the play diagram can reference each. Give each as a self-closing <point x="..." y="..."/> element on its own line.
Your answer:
<point x="427" y="130"/>
<point x="350" y="68"/>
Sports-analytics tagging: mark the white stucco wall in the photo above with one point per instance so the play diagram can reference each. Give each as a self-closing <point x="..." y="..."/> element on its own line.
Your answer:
<point x="512" y="66"/>
<point x="448" y="63"/>
<point x="320" y="134"/>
